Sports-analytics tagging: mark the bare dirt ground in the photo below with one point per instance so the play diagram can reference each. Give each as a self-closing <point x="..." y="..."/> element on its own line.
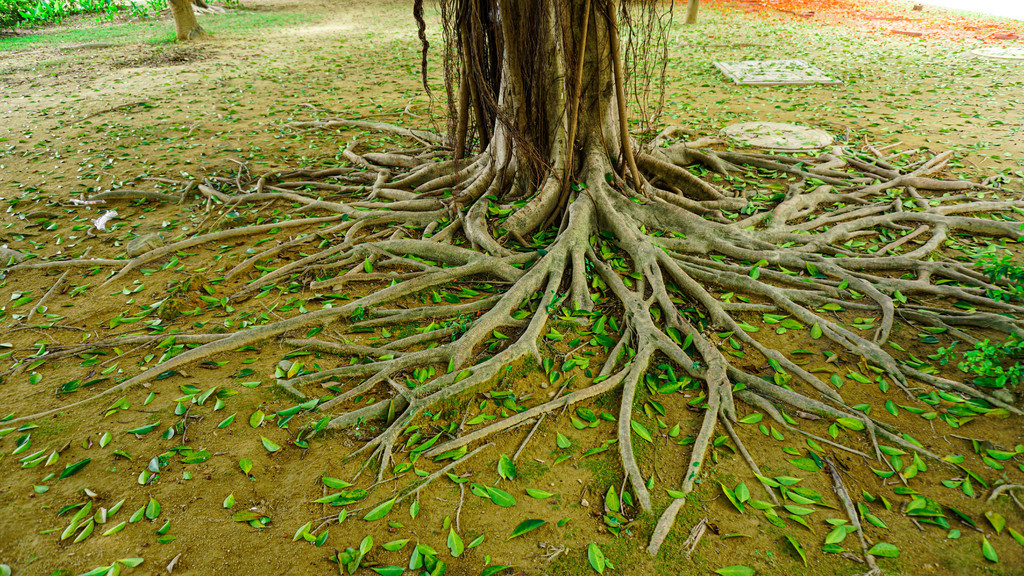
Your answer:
<point x="87" y="108"/>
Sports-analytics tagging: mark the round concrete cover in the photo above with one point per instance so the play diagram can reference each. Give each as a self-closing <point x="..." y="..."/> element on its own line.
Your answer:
<point x="778" y="136"/>
<point x="1001" y="53"/>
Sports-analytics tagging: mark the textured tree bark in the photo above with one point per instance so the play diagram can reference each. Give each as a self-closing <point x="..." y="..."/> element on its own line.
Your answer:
<point x="558" y="96"/>
<point x="185" y="23"/>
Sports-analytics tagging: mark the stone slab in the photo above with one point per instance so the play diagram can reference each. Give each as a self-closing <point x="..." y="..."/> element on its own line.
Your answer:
<point x="778" y="136"/>
<point x="1001" y="53"/>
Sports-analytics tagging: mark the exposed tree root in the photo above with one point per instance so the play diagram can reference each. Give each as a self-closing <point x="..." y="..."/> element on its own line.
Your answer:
<point x="851" y="513"/>
<point x="1003" y="488"/>
<point x="866" y="239"/>
<point x="423" y="135"/>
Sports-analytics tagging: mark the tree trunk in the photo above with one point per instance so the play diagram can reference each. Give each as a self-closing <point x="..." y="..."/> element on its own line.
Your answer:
<point x="542" y="86"/>
<point x="691" y="11"/>
<point x="185" y="23"/>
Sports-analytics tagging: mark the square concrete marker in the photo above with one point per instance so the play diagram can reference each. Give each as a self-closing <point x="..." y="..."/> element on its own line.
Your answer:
<point x="774" y="72"/>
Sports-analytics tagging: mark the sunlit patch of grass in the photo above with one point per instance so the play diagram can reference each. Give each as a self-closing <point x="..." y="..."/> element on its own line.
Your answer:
<point x="153" y="31"/>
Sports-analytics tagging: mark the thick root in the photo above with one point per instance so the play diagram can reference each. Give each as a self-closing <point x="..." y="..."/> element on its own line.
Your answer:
<point x="636" y="250"/>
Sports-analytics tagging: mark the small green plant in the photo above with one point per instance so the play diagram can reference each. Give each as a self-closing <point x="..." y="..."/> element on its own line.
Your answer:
<point x="13" y="12"/>
<point x="10" y="11"/>
<point x="944" y="355"/>
<point x="138" y="11"/>
<point x="147" y="9"/>
<point x="995" y="365"/>
<point x="1003" y="269"/>
<point x="106" y="9"/>
<point x="46" y="11"/>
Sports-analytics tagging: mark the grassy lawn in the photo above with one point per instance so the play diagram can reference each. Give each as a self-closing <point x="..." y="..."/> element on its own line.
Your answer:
<point x="150" y="31"/>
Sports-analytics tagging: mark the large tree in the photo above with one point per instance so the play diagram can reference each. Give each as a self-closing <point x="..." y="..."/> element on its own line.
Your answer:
<point x="539" y="188"/>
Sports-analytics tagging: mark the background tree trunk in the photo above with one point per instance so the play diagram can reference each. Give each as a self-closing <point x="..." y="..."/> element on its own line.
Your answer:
<point x="691" y="11"/>
<point x="185" y="23"/>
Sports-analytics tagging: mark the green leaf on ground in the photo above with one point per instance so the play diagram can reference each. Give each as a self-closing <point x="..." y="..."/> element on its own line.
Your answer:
<point x="596" y="558"/>
<point x="527" y="526"/>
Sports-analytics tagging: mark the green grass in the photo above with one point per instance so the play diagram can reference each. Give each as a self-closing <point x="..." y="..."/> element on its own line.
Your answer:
<point x="48" y="429"/>
<point x="606" y="471"/>
<point x="523" y="368"/>
<point x="152" y="31"/>
<point x="528" y="470"/>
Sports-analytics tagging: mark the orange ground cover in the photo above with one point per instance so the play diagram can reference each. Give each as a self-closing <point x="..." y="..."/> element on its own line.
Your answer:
<point x="888" y="18"/>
